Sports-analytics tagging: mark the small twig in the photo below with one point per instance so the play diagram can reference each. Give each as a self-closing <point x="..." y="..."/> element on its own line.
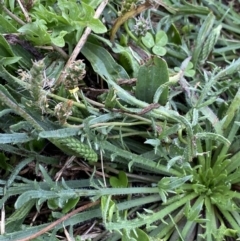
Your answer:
<point x="102" y="166"/>
<point x="82" y="41"/>
<point x="13" y="16"/>
<point x="60" y="220"/>
<point x="90" y="228"/>
<point x="148" y="108"/>
<point x="2" y="220"/>
<point x="127" y="81"/>
<point x="28" y="19"/>
<point x="67" y="234"/>
<point x="67" y="163"/>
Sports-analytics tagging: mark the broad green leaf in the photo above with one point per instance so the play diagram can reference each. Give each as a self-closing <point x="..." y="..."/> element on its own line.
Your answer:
<point x="161" y="38"/>
<point x="120" y="181"/>
<point x="92" y="3"/>
<point x="72" y="11"/>
<point x="97" y="26"/>
<point x="159" y="50"/>
<point x="9" y="60"/>
<point x="70" y="204"/>
<point x="52" y="204"/>
<point x="103" y="63"/>
<point x="81" y="15"/>
<point x="126" y="54"/>
<point x="36" y="32"/>
<point x="5" y="48"/>
<point x="6" y="26"/>
<point x="25" y="56"/>
<point x="173" y="35"/>
<point x="50" y="16"/>
<point x="148" y="40"/>
<point x="151" y="76"/>
<point x="12" y="4"/>
<point x="88" y="20"/>
<point x="59" y="40"/>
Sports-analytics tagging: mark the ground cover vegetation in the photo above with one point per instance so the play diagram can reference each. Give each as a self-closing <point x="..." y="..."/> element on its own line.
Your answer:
<point x="119" y="120"/>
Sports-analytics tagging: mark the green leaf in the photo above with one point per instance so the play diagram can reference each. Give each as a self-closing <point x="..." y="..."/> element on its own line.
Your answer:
<point x="4" y="165"/>
<point x="171" y="183"/>
<point x="9" y="60"/>
<point x="5" y="48"/>
<point x="52" y="204"/>
<point x="120" y="181"/>
<point x="81" y="16"/>
<point x="9" y="96"/>
<point x="36" y="32"/>
<point x="189" y="71"/>
<point x="70" y="204"/>
<point x="50" y="16"/>
<point x="14" y="222"/>
<point x="92" y="3"/>
<point x="110" y="100"/>
<point x="151" y="76"/>
<point x="14" y="138"/>
<point x="203" y="33"/>
<point x="59" y="40"/>
<point x="108" y="208"/>
<point x="103" y="63"/>
<point x="135" y="235"/>
<point x="161" y="38"/>
<point x="159" y="50"/>
<point x="148" y="40"/>
<point x="126" y="54"/>
<point x="6" y="26"/>
<point x="173" y="35"/>
<point x="97" y="26"/>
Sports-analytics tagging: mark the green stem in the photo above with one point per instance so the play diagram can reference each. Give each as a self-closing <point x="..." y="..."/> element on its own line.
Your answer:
<point x="149" y="219"/>
<point x="13" y="16"/>
<point x="20" y="111"/>
<point x="134" y="37"/>
<point x="136" y="159"/>
<point x="138" y="133"/>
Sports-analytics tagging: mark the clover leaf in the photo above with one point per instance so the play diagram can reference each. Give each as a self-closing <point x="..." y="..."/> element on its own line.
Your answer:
<point x="156" y="43"/>
<point x="148" y="40"/>
<point x="189" y="72"/>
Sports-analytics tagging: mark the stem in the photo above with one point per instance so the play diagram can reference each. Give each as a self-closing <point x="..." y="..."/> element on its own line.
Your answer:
<point x="13" y="16"/>
<point x="81" y="42"/>
<point x="151" y="218"/>
<point x="134" y="37"/>
<point x="20" y="111"/>
<point x="136" y="159"/>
